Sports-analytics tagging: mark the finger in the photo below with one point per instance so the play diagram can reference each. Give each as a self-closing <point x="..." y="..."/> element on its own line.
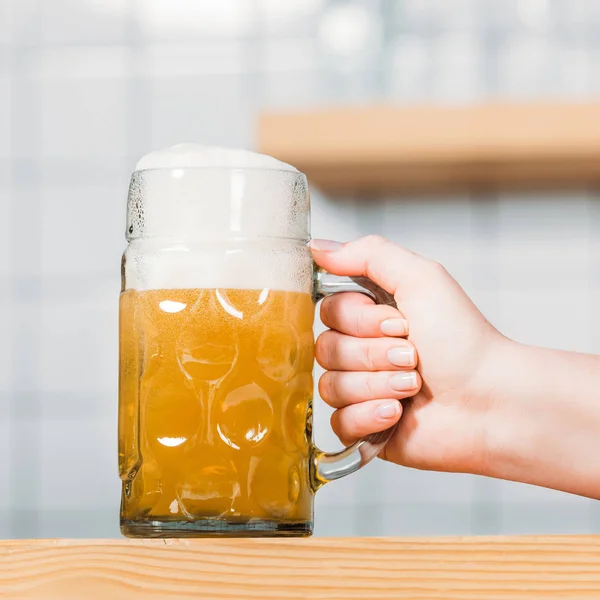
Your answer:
<point x="356" y="314"/>
<point x="341" y="388"/>
<point x="387" y="264"/>
<point x="359" y="420"/>
<point x="335" y="351"/>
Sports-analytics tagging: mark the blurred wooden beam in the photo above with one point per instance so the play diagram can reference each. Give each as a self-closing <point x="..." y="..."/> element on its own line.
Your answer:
<point x="393" y="149"/>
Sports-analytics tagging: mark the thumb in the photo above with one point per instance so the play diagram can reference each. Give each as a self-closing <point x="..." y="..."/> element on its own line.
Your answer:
<point x="382" y="261"/>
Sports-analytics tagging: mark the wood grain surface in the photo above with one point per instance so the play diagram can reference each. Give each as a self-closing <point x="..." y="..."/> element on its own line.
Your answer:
<point x="436" y="568"/>
<point x="373" y="149"/>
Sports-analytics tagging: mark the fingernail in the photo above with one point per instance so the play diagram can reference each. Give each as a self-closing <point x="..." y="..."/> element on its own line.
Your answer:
<point x="401" y="357"/>
<point x="394" y="327"/>
<point x="403" y="382"/>
<point x="325" y="245"/>
<point x="388" y="410"/>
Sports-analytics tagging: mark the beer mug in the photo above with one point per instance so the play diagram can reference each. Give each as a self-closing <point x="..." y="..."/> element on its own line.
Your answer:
<point x="216" y="349"/>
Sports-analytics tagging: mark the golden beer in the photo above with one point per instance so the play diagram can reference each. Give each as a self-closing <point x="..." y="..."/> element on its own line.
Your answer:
<point x="215" y="400"/>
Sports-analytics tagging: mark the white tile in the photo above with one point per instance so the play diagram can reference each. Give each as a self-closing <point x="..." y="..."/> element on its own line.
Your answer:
<point x="96" y="524"/>
<point x="18" y="19"/>
<point x="297" y="55"/>
<point x="79" y="348"/>
<point x="184" y="109"/>
<point x="543" y="229"/>
<point x="6" y="332"/>
<point x="5" y="524"/>
<point x="526" y="66"/>
<point x="5" y="10"/>
<point x="551" y="518"/>
<point x="434" y="226"/>
<point x="344" y="492"/>
<point x="290" y="18"/>
<point x="199" y="57"/>
<point x="24" y="349"/>
<point x="7" y="458"/>
<point x="457" y="67"/>
<point x="393" y="519"/>
<point x="83" y="229"/>
<point x="544" y="275"/>
<point x="83" y="119"/>
<point x="409" y="63"/>
<point x="426" y="519"/>
<point x="296" y="89"/>
<point x="5" y="119"/>
<point x="6" y="263"/>
<point x="411" y="485"/>
<point x="84" y="21"/>
<point x="179" y="19"/>
<point x="78" y="464"/>
<point x="86" y="62"/>
<point x="333" y="218"/>
<point x="334" y="520"/>
<point x="532" y="317"/>
<point x="25" y="435"/>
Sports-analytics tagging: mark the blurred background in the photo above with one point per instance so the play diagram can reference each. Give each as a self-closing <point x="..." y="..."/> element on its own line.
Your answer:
<point x="88" y="86"/>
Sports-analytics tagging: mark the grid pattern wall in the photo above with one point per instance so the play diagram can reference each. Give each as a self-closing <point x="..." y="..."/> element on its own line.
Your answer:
<point x="87" y="86"/>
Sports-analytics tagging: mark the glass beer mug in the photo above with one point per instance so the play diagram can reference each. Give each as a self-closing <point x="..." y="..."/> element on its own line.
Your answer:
<point x="216" y="349"/>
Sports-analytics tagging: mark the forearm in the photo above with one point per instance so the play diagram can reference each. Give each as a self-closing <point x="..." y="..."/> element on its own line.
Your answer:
<point x="544" y="420"/>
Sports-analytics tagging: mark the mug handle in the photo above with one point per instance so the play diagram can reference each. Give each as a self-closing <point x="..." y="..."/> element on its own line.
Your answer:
<point x="328" y="466"/>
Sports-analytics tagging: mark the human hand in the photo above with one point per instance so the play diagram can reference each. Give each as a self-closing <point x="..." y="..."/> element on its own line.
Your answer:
<point x="371" y="354"/>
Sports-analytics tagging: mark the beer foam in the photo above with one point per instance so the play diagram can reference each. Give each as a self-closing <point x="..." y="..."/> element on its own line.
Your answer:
<point x="214" y="217"/>
<point x="189" y="156"/>
<point x="244" y="266"/>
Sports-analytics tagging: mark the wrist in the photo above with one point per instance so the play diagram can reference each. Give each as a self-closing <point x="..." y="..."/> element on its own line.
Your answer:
<point x="496" y="390"/>
<point x="542" y="420"/>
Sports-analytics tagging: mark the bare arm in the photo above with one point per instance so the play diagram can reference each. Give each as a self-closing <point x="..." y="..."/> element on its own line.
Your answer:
<point x="478" y="402"/>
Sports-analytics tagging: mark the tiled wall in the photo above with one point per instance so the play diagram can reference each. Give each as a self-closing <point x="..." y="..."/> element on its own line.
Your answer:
<point x="87" y="86"/>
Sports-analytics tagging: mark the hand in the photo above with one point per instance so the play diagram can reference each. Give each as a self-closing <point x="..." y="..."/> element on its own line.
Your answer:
<point x="371" y="354"/>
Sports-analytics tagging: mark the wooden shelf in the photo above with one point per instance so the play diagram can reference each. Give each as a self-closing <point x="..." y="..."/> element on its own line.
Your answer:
<point x="391" y="149"/>
<point x="518" y="568"/>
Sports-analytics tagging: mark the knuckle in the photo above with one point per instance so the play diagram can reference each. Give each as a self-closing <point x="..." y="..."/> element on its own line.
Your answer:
<point x="370" y="387"/>
<point x="354" y="425"/>
<point x="375" y="240"/>
<point x="370" y="360"/>
<point x="362" y="322"/>
<point x="438" y="268"/>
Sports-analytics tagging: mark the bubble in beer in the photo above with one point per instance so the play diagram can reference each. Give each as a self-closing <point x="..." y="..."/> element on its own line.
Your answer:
<point x="244" y="417"/>
<point x="278" y="352"/>
<point x="171" y="412"/>
<point x="275" y="483"/>
<point x="210" y="486"/>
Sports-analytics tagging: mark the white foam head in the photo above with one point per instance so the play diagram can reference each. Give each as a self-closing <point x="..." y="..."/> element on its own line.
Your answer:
<point x="189" y="156"/>
<point x="201" y="217"/>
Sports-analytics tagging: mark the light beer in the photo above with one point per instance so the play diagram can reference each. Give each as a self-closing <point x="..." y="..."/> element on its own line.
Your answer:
<point x="215" y="406"/>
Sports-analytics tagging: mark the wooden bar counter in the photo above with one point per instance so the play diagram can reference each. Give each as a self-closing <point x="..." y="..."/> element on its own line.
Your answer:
<point x="432" y="568"/>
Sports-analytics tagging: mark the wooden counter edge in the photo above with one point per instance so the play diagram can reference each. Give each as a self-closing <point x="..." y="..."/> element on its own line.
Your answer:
<point x="440" y="568"/>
